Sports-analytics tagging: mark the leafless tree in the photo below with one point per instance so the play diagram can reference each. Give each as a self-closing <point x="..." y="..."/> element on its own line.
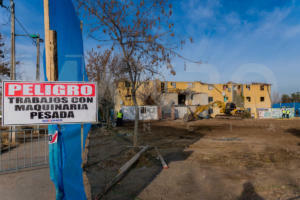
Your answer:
<point x="150" y="93"/>
<point x="276" y="97"/>
<point x="102" y="67"/>
<point x="4" y="59"/>
<point x="141" y="31"/>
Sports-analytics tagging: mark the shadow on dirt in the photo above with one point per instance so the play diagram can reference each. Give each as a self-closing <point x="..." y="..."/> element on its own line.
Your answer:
<point x="249" y="193"/>
<point x="109" y="151"/>
<point x="295" y="132"/>
<point x="294" y="198"/>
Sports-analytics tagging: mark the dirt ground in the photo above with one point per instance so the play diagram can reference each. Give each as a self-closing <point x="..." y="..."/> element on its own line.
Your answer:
<point x="208" y="159"/>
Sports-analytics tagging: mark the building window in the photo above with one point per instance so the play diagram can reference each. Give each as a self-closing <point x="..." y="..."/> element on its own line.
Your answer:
<point x="248" y="87"/>
<point x="190" y="85"/>
<point x="225" y="99"/>
<point x="262" y="99"/>
<point x="181" y="99"/>
<point x="173" y="84"/>
<point x="162" y="87"/>
<point x="239" y="87"/>
<point x="128" y="97"/>
<point x="262" y="87"/>
<point x="248" y="99"/>
<point x="127" y="84"/>
<point x="210" y="99"/>
<point x="143" y="110"/>
<point x="229" y="89"/>
<point x="210" y="87"/>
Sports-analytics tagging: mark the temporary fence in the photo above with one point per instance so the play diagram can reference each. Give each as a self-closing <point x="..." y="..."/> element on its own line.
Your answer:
<point x="294" y="105"/>
<point x="145" y="112"/>
<point x="23" y="148"/>
<point x="180" y="111"/>
<point x="274" y="113"/>
<point x="166" y="112"/>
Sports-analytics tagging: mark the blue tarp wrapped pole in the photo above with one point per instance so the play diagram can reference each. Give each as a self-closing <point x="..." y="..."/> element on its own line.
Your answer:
<point x="65" y="155"/>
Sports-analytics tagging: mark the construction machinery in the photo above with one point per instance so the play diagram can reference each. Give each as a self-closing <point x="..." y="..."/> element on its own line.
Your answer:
<point x="226" y="111"/>
<point x="231" y="111"/>
<point x="195" y="115"/>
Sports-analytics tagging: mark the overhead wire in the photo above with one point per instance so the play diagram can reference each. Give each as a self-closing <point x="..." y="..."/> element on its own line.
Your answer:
<point x="22" y="26"/>
<point x="25" y="30"/>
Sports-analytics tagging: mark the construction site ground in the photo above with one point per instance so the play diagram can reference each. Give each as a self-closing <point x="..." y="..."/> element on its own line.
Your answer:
<point x="208" y="159"/>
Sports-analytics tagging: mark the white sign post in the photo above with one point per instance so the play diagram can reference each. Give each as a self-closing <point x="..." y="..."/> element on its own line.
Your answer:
<point x="28" y="103"/>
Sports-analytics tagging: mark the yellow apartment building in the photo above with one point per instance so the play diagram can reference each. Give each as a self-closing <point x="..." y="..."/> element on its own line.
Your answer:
<point x="250" y="96"/>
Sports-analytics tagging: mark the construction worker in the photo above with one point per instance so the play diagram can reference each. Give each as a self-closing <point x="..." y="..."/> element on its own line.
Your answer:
<point x="119" y="118"/>
<point x="283" y="113"/>
<point x="288" y="113"/>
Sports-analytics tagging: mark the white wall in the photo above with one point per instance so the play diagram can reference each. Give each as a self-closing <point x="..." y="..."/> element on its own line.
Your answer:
<point x="180" y="111"/>
<point x="273" y="113"/>
<point x="200" y="99"/>
<point x="169" y="99"/>
<point x="150" y="114"/>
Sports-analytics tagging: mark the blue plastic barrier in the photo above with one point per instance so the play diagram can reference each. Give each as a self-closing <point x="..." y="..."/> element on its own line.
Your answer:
<point x="65" y="155"/>
<point x="289" y="105"/>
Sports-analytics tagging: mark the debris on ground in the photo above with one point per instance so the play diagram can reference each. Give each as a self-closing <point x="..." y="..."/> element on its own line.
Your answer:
<point x="255" y="161"/>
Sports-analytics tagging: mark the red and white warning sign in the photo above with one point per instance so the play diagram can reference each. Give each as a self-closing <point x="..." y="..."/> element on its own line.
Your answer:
<point x="53" y="138"/>
<point x="48" y="102"/>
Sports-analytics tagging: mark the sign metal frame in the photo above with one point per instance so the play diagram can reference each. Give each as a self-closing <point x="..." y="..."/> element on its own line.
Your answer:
<point x="49" y="82"/>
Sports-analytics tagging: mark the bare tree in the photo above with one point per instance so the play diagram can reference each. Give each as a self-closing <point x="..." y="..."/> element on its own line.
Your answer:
<point x="292" y="98"/>
<point x="276" y="97"/>
<point x="141" y="31"/>
<point x="102" y="68"/>
<point x="150" y="93"/>
<point x="4" y="59"/>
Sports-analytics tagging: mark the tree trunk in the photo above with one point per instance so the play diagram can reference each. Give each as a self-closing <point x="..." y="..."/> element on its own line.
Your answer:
<point x="136" y="120"/>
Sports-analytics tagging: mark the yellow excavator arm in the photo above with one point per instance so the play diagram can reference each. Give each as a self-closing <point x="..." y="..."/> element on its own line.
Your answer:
<point x="195" y="115"/>
<point x="226" y="110"/>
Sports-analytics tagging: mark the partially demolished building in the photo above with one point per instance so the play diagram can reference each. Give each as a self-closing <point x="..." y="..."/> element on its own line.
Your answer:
<point x="165" y="94"/>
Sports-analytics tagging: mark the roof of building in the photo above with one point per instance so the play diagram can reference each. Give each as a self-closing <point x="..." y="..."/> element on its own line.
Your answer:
<point x="229" y="82"/>
<point x="258" y="83"/>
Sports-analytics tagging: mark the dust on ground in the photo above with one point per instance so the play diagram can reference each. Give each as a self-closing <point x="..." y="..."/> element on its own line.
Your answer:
<point x="208" y="159"/>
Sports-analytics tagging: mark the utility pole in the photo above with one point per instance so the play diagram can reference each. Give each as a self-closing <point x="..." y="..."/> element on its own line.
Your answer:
<point x="38" y="42"/>
<point x="37" y="73"/>
<point x="37" y="59"/>
<point x="13" y="42"/>
<point x="82" y="127"/>
<point x="13" y="59"/>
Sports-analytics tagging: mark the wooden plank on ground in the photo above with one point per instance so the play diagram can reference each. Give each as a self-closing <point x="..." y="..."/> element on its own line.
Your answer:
<point x="163" y="162"/>
<point x="122" y="171"/>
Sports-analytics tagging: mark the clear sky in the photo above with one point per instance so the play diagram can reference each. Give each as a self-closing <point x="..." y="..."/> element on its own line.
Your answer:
<point x="237" y="40"/>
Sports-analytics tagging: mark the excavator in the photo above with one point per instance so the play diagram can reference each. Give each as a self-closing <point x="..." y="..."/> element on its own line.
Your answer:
<point x="226" y="111"/>
<point x="231" y="111"/>
<point x="195" y="115"/>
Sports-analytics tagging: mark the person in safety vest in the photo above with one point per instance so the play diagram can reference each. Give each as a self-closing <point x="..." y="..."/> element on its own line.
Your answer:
<point x="119" y="118"/>
<point x="283" y="113"/>
<point x="288" y="113"/>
